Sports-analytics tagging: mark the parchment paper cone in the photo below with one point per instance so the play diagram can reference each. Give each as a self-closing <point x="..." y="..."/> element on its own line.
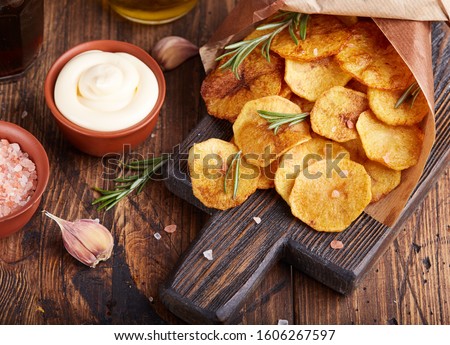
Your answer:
<point x="411" y="37"/>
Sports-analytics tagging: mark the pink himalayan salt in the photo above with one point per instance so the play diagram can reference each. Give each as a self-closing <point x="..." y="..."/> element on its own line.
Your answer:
<point x="18" y="178"/>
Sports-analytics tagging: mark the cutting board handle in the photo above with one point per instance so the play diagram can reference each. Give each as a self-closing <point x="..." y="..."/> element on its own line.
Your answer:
<point x="203" y="291"/>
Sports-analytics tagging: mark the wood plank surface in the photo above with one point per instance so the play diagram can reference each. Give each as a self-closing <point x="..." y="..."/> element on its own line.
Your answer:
<point x="42" y="284"/>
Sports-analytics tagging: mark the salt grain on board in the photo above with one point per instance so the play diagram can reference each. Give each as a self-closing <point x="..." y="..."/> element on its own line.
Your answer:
<point x="170" y="228"/>
<point x="18" y="177"/>
<point x="208" y="254"/>
<point x="283" y="322"/>
<point x="157" y="235"/>
<point x="257" y="220"/>
<point x="336" y="244"/>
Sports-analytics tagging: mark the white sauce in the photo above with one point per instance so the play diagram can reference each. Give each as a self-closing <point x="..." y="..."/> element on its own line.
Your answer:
<point x="104" y="91"/>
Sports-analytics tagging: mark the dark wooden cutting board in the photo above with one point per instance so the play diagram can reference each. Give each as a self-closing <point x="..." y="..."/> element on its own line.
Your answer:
<point x="203" y="291"/>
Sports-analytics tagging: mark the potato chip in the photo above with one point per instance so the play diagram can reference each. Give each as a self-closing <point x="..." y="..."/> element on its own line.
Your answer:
<point x="396" y="147"/>
<point x="304" y="104"/>
<point x="335" y="113"/>
<point x="371" y="59"/>
<point x="267" y="176"/>
<point x="208" y="163"/>
<point x="357" y="86"/>
<point x="382" y="103"/>
<point x="330" y="199"/>
<point x="309" y="79"/>
<point x="299" y="157"/>
<point x="258" y="143"/>
<point x="356" y="150"/>
<point x="348" y="20"/>
<point x="225" y="95"/>
<point x="325" y="36"/>
<point x="285" y="91"/>
<point x="383" y="179"/>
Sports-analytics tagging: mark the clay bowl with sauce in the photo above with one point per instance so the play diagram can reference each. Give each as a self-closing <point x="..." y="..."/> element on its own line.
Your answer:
<point x="20" y="216"/>
<point x="100" y="143"/>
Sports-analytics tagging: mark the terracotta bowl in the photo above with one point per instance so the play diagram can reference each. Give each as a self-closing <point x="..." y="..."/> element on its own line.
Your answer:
<point x="100" y="143"/>
<point x="29" y="144"/>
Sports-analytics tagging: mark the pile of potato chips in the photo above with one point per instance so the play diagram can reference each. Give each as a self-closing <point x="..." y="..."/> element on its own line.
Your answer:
<point x="348" y="153"/>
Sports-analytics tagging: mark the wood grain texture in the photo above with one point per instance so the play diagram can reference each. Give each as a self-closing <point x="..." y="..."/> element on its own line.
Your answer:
<point x="42" y="284"/>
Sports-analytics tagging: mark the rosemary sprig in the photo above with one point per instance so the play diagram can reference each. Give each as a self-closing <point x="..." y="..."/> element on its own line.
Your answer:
<point x="276" y="120"/>
<point x="127" y="184"/>
<point x="236" y="159"/>
<point x="294" y="21"/>
<point x="409" y="95"/>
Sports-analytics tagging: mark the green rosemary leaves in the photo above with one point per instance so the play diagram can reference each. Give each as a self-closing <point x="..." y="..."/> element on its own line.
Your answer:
<point x="295" y="22"/>
<point x="125" y="185"/>
<point x="276" y="120"/>
<point x="235" y="161"/>
<point x="409" y="95"/>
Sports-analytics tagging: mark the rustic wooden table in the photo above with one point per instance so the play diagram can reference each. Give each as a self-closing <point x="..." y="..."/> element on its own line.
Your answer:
<point x="42" y="284"/>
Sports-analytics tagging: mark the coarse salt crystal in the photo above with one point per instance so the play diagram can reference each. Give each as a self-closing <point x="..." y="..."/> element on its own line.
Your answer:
<point x="336" y="244"/>
<point x="170" y="228"/>
<point x="208" y="254"/>
<point x="333" y="129"/>
<point x="335" y="194"/>
<point x="157" y="235"/>
<point x="283" y="322"/>
<point x="17" y="175"/>
<point x="257" y="220"/>
<point x="24" y="114"/>
<point x="315" y="51"/>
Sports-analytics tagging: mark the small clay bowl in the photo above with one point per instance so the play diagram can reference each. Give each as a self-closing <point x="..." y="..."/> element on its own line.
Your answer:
<point x="28" y="144"/>
<point x="101" y="143"/>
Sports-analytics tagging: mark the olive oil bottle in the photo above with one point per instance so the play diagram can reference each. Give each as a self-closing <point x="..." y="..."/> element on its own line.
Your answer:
<point x="152" y="11"/>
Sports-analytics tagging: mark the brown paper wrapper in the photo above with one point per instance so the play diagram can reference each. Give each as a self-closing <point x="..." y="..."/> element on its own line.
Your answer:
<point x="411" y="37"/>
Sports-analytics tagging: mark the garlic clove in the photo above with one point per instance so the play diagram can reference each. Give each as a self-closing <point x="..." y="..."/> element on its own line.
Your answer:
<point x="86" y="240"/>
<point x="172" y="51"/>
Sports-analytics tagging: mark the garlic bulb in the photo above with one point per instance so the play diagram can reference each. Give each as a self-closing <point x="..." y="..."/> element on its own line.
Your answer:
<point x="172" y="51"/>
<point x="85" y="239"/>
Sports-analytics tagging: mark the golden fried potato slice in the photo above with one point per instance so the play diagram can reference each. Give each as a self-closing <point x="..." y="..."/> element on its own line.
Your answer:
<point x="208" y="163"/>
<point x="304" y="104"/>
<point x="267" y="176"/>
<point x="348" y="20"/>
<point x="335" y="113"/>
<point x="330" y="199"/>
<point x="259" y="143"/>
<point x="324" y="37"/>
<point x="285" y="91"/>
<point x="356" y="150"/>
<point x="357" y="86"/>
<point x="383" y="179"/>
<point x="396" y="147"/>
<point x="299" y="157"/>
<point x="371" y="59"/>
<point x="225" y="95"/>
<point x="309" y="79"/>
<point x="382" y="103"/>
